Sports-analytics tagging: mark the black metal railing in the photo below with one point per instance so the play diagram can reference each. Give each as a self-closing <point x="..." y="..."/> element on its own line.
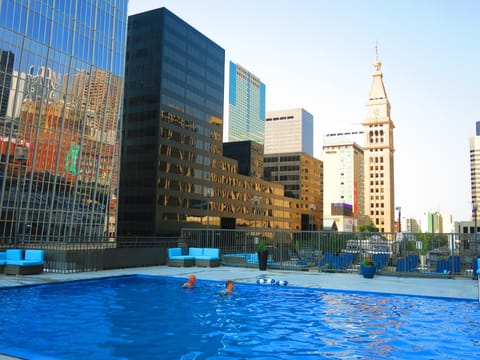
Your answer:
<point x="443" y="255"/>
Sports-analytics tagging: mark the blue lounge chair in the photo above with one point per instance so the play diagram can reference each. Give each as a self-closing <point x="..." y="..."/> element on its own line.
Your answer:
<point x="26" y="262"/>
<point x="3" y="260"/>
<point x="176" y="258"/>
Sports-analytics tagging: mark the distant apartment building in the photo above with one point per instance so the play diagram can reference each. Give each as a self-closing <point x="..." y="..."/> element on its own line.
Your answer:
<point x="475" y="171"/>
<point x="343" y="179"/>
<point x="412" y="226"/>
<point x="246" y="105"/>
<point x="432" y="222"/>
<point x="378" y="152"/>
<point x="289" y="131"/>
<point x="174" y="174"/>
<point x="58" y="137"/>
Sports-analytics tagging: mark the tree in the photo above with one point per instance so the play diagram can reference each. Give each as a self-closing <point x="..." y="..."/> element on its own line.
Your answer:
<point x="367" y="228"/>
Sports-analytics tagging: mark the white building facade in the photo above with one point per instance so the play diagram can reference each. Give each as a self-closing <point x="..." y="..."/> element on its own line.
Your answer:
<point x="288" y="131"/>
<point x="343" y="181"/>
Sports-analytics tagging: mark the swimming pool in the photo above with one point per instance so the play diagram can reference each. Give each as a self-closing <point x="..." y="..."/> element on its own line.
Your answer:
<point x="152" y="317"/>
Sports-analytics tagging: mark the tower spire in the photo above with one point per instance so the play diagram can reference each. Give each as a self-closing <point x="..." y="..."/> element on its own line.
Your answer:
<point x="378" y="63"/>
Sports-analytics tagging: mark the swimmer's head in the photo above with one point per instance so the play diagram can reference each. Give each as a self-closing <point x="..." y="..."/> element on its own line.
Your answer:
<point x="229" y="284"/>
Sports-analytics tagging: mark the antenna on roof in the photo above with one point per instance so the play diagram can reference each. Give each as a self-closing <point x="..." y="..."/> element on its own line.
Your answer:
<point x="376" y="50"/>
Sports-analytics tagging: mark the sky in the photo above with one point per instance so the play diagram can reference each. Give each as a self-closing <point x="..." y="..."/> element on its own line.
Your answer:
<point x="319" y="55"/>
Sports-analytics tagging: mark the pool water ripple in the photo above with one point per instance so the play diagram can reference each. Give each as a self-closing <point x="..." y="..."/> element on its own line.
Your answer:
<point x="146" y="317"/>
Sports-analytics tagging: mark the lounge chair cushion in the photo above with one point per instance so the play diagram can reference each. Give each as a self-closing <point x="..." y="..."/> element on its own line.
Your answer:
<point x="174" y="252"/>
<point x="32" y="257"/>
<point x="211" y="253"/>
<point x="14" y="254"/>
<point x="195" y="251"/>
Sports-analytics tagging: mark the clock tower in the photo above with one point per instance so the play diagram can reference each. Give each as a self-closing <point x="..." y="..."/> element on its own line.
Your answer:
<point x="379" y="156"/>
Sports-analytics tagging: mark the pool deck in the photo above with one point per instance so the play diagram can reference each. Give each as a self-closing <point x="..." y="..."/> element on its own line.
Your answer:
<point x="459" y="288"/>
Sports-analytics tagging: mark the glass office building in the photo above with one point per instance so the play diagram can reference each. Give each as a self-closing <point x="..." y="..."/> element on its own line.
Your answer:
<point x="173" y="172"/>
<point x="246" y="106"/>
<point x="61" y="82"/>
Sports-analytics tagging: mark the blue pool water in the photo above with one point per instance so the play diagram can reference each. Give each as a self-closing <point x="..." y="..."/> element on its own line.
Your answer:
<point x="148" y="317"/>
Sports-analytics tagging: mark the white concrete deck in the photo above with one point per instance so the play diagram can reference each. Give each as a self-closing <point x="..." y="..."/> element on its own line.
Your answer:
<point x="460" y="288"/>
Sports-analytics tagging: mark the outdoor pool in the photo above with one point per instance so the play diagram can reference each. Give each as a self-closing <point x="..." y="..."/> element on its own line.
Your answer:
<point x="152" y="317"/>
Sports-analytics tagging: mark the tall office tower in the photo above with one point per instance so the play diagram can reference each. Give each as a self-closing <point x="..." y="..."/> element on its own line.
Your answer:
<point x="246" y="106"/>
<point x="475" y="171"/>
<point x="378" y="156"/>
<point x="173" y="172"/>
<point x="289" y="131"/>
<point x="343" y="182"/>
<point x="59" y="143"/>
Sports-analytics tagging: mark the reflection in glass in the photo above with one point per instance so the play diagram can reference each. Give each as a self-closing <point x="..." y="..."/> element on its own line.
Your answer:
<point x="60" y="94"/>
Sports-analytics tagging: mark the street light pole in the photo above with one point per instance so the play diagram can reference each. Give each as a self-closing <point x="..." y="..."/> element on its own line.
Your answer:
<point x="21" y="156"/>
<point x="399" y="209"/>
<point x="208" y="194"/>
<point x="474" y="208"/>
<point x="256" y="200"/>
<point x="312" y="217"/>
<point x="474" y="265"/>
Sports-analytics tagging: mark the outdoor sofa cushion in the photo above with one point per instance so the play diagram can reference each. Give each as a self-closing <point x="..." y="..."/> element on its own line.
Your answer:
<point x="31" y="257"/>
<point x="213" y="253"/>
<point x="176" y="254"/>
<point x="204" y="253"/>
<point x="14" y="254"/>
<point x="195" y="251"/>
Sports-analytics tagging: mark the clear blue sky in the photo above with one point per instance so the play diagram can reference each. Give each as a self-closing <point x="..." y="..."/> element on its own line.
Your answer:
<point x="319" y="54"/>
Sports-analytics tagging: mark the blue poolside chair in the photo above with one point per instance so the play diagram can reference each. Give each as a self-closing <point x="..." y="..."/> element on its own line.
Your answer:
<point x="26" y="262"/>
<point x="328" y="258"/>
<point x="345" y="260"/>
<point x="380" y="260"/>
<point x="176" y="258"/>
<point x="3" y="260"/>
<point x="443" y="266"/>
<point x="401" y="264"/>
<point x="454" y="263"/>
<point x="408" y="264"/>
<point x="412" y="263"/>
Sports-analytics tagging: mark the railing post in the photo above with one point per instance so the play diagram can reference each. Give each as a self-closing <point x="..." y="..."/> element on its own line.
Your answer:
<point x="478" y="278"/>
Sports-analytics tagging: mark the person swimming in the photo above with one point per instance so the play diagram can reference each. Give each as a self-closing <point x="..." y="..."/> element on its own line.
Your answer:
<point x="192" y="279"/>
<point x="229" y="285"/>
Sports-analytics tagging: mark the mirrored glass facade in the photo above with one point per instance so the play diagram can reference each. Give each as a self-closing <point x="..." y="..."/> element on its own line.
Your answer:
<point x="61" y="83"/>
<point x="173" y="172"/>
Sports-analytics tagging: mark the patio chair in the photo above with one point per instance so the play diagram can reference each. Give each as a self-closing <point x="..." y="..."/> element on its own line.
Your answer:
<point x="3" y="260"/>
<point x="26" y="262"/>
